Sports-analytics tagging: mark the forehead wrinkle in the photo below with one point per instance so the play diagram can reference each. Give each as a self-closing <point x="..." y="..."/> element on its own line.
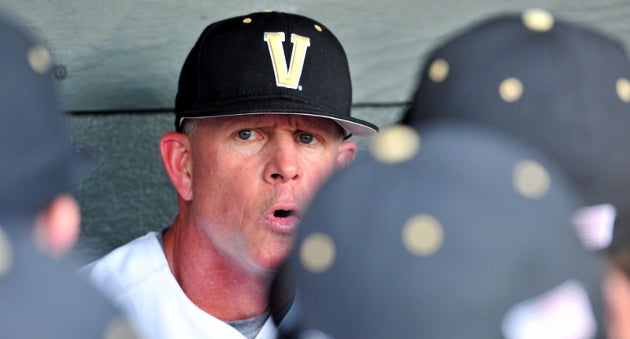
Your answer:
<point x="300" y="122"/>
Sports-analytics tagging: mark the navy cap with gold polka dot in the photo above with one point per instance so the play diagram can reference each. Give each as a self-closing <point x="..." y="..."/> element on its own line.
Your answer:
<point x="39" y="297"/>
<point x="38" y="160"/>
<point x="453" y="230"/>
<point x="563" y="87"/>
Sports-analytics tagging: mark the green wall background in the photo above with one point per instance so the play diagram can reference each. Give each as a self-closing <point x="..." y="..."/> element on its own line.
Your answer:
<point x="118" y="63"/>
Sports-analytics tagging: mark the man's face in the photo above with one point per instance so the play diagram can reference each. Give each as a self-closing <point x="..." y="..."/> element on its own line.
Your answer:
<point x="252" y="177"/>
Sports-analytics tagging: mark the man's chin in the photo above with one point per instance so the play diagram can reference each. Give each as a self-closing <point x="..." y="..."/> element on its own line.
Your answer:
<point x="271" y="260"/>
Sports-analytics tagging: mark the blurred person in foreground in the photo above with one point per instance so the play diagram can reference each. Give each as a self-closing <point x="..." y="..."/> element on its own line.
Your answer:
<point x="40" y="296"/>
<point x="563" y="88"/>
<point x="519" y="125"/>
<point x="466" y="236"/>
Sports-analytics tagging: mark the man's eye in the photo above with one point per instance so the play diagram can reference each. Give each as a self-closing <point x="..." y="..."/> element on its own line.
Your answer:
<point x="245" y="134"/>
<point x="306" y="138"/>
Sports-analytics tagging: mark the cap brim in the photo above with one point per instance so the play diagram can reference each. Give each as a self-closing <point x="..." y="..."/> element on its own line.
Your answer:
<point x="352" y="126"/>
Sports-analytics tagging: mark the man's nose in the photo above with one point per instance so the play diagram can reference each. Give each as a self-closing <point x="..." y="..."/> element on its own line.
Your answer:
<point x="283" y="164"/>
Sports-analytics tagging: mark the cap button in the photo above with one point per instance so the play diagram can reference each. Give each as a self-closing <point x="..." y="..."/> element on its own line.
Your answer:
<point x="537" y="20"/>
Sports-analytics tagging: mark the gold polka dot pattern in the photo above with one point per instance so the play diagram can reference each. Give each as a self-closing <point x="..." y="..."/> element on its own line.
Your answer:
<point x="438" y="71"/>
<point x="39" y="59"/>
<point x="423" y="235"/>
<point x="317" y="252"/>
<point x="531" y="179"/>
<point x="511" y="89"/>
<point x="395" y="144"/>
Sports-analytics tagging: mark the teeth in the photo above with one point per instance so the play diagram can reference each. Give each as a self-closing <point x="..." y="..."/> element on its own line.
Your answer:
<point x="282" y="213"/>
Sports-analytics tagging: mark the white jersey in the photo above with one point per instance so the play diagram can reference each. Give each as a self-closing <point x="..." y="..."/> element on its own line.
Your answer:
<point x="137" y="278"/>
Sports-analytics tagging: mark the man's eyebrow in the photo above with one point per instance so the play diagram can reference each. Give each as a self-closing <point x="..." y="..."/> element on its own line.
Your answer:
<point x="255" y="122"/>
<point x="327" y="128"/>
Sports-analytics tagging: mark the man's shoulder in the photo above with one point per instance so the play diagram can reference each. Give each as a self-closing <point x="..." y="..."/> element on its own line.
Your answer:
<point x="49" y="308"/>
<point x="127" y="265"/>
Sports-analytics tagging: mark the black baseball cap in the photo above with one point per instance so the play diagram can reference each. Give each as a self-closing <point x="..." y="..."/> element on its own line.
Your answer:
<point x="268" y="63"/>
<point x="560" y="86"/>
<point x="38" y="159"/>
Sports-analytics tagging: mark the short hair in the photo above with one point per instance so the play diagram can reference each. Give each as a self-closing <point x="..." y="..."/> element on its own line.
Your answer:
<point x="189" y="126"/>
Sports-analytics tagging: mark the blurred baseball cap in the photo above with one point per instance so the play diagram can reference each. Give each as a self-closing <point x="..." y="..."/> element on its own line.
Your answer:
<point x="560" y="86"/>
<point x="38" y="159"/>
<point x="463" y="232"/>
<point x="268" y="63"/>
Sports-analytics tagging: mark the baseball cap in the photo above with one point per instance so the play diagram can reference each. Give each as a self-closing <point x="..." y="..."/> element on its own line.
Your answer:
<point x="472" y="240"/>
<point x="267" y="63"/>
<point x="560" y="86"/>
<point x="38" y="160"/>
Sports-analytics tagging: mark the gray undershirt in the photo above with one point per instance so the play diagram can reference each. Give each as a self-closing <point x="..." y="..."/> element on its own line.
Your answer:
<point x="249" y="327"/>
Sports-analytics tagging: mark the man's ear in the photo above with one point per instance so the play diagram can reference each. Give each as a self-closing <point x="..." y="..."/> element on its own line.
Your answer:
<point x="57" y="227"/>
<point x="176" y="156"/>
<point x="347" y="151"/>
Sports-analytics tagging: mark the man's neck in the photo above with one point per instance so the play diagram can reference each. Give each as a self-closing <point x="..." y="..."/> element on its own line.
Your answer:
<point x="218" y="286"/>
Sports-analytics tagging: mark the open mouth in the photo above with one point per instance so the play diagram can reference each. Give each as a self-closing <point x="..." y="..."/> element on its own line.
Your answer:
<point x="283" y="213"/>
<point x="284" y="220"/>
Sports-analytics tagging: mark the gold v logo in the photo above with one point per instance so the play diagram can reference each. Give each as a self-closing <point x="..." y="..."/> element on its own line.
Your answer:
<point x="287" y="76"/>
